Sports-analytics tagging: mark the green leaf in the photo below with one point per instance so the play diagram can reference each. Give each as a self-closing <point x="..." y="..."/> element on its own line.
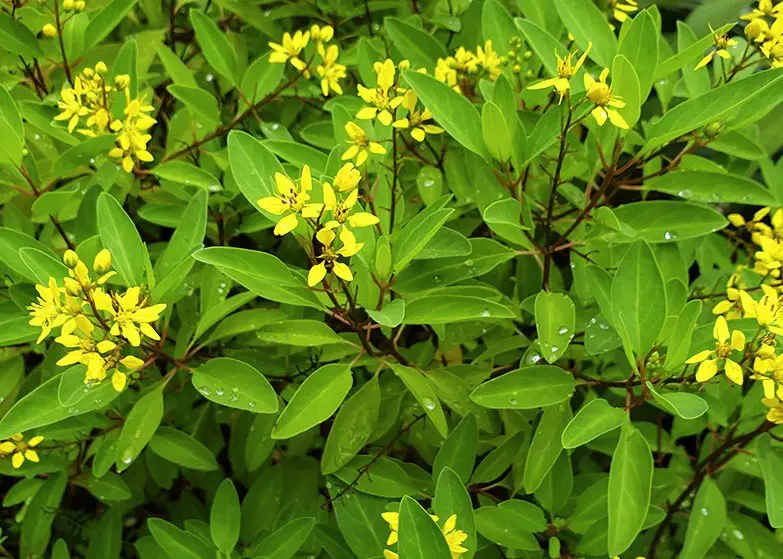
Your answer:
<point x="187" y="237"/>
<point x="284" y="542"/>
<point x="182" y="449"/>
<point x="315" y="400"/>
<point x="175" y="68"/>
<point x="639" y="46"/>
<point x="502" y="526"/>
<point x="391" y="315"/>
<point x="543" y="44"/>
<point x="413" y="43"/>
<point x="593" y="420"/>
<point x="178" y="543"/>
<point x="42" y="265"/>
<point x="689" y="55"/>
<point x="499" y="459"/>
<point x="139" y="427"/>
<point x="451" y="497"/>
<point x="298" y="154"/>
<point x="453" y="112"/>
<point x="225" y="517"/>
<point x="496" y="133"/>
<point x="546" y="446"/>
<point x="262" y="273"/>
<point x="261" y="78"/>
<point x="444" y="309"/>
<point x="555" y="323"/>
<point x="253" y="166"/>
<point x="215" y="46"/>
<point x="202" y="105"/>
<point x="106" y="20"/>
<point x="300" y="332"/>
<point x="120" y="237"/>
<point x="419" y="536"/>
<point x="352" y="427"/>
<point x="707" y="186"/>
<point x="18" y="39"/>
<point x="639" y="297"/>
<point x="235" y="384"/>
<point x="687" y="406"/>
<point x="630" y="479"/>
<point x="359" y="519"/>
<point x="706" y="521"/>
<point x="665" y="221"/>
<point x="411" y="239"/>
<point x="586" y="22"/>
<point x="187" y="174"/>
<point x="458" y="451"/>
<point x="679" y="341"/>
<point x="384" y="478"/>
<point x="109" y="487"/>
<point x="713" y="105"/>
<point x="525" y="388"/>
<point x="497" y="25"/>
<point x="504" y="217"/>
<point x="425" y="395"/>
<point x="11" y="242"/>
<point x="771" y="464"/>
<point x="39" y="516"/>
<point x="625" y="83"/>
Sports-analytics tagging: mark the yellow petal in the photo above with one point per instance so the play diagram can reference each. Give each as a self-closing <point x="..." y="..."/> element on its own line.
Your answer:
<point x="342" y="271"/>
<point x="286" y="225"/>
<point x="31" y="455"/>
<point x="118" y="381"/>
<point x="17" y="460"/>
<point x="733" y="371"/>
<point x="721" y="330"/>
<point x="316" y="275"/>
<point x="737" y="340"/>
<point x="699" y="357"/>
<point x="706" y="370"/>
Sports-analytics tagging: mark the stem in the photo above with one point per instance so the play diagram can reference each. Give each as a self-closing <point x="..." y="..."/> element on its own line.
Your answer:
<point x="57" y="21"/>
<point x="394" y="181"/>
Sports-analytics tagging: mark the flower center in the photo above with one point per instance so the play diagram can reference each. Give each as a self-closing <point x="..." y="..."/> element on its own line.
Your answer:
<point x="723" y="350"/>
<point x="600" y="94"/>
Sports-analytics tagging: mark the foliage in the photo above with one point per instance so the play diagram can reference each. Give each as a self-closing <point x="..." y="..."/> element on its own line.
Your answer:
<point x="424" y="279"/>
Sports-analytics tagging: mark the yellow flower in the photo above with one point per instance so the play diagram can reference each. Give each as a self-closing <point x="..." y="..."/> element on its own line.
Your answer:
<point x="71" y="108"/>
<point x="766" y="8"/>
<point x="330" y="71"/>
<point x="772" y="48"/>
<point x="757" y="30"/>
<point x="769" y="369"/>
<point x="86" y="351"/>
<point x="119" y="378"/>
<point x="489" y="60"/>
<point x="361" y="145"/>
<point x="600" y="94"/>
<point x="329" y="256"/>
<point x="766" y="311"/>
<point x="454" y="538"/>
<point x="322" y="34"/>
<point x="49" y="30"/>
<point x="775" y="413"/>
<point x="416" y="121"/>
<point x="341" y="211"/>
<point x="290" y="49"/>
<point x="722" y="43"/>
<point x="455" y="69"/>
<point x="130" y="317"/>
<point x="711" y="360"/>
<point x="51" y="312"/>
<point x="132" y="137"/>
<point x="381" y="98"/>
<point x="731" y="304"/>
<point x="347" y="178"/>
<point x="289" y="198"/>
<point x="20" y="449"/>
<point x="621" y="9"/>
<point x="565" y="71"/>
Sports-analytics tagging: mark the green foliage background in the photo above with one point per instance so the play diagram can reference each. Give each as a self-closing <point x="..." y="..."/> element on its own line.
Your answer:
<point x="512" y="346"/>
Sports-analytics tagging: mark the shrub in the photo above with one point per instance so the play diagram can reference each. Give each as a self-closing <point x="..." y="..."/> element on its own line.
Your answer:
<point x="425" y="279"/>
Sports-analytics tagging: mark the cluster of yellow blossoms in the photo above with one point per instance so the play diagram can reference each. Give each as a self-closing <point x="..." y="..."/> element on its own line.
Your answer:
<point x="74" y="6"/>
<point x="20" y="450"/>
<point x="329" y="70"/>
<point x="95" y="325"/>
<point x="463" y="70"/>
<point x="292" y="202"/>
<point x="454" y="538"/>
<point x="733" y="353"/>
<point x="90" y="102"/>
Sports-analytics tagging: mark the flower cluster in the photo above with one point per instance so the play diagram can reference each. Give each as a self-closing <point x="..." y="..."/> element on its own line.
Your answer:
<point x="329" y="220"/>
<point x="454" y="538"/>
<point x="465" y="68"/>
<point x="90" y="103"/>
<point x="20" y="450"/>
<point x="95" y="324"/>
<point x="74" y="6"/>
<point x="621" y="9"/>
<point x="328" y="69"/>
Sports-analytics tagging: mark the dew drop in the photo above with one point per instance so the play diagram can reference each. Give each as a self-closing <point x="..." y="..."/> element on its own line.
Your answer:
<point x="513" y="401"/>
<point x="204" y="390"/>
<point x="739" y="535"/>
<point x="429" y="403"/>
<point x="328" y="484"/>
<point x="437" y="279"/>
<point x="554" y="349"/>
<point x="429" y="183"/>
<point x="251" y="403"/>
<point x="219" y="391"/>
<point x="73" y="410"/>
<point x="668" y="235"/>
<point x="137" y="434"/>
<point x="210" y="77"/>
<point x="562" y="330"/>
<point x="485" y="313"/>
<point x="469" y="262"/>
<point x="704" y="511"/>
<point x="127" y="456"/>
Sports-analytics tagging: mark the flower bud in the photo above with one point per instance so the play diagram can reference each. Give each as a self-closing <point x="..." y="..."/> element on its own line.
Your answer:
<point x="756" y="29"/>
<point x="404" y="65"/>
<point x="102" y="261"/>
<point x="101" y="68"/>
<point x="122" y="81"/>
<point x="736" y="220"/>
<point x="80" y="6"/>
<point x="49" y="30"/>
<point x="70" y="258"/>
<point x="72" y="287"/>
<point x="69" y="4"/>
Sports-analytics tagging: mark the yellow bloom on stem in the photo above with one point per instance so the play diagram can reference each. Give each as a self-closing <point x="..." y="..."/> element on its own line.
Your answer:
<point x="86" y="351"/>
<point x="130" y="316"/>
<point x="772" y="48"/>
<point x="132" y="137"/>
<point x="775" y="413"/>
<point x="291" y="198"/>
<point x="329" y="256"/>
<point x="565" y="71"/>
<point x="621" y="9"/>
<point x="292" y="46"/>
<point x="341" y="211"/>
<point x="51" y="312"/>
<point x="711" y="360"/>
<point x="416" y="121"/>
<point x="731" y="304"/>
<point x="20" y="449"/>
<point x="600" y="94"/>
<point x="347" y="178"/>
<point x="766" y="311"/>
<point x="768" y="368"/>
<point x="361" y="145"/>
<point x="489" y="60"/>
<point x="454" y="538"/>
<point x="321" y="34"/>
<point x="381" y="98"/>
<point x="330" y="71"/>
<point x="722" y="43"/>
<point x="119" y="378"/>
<point x="757" y="30"/>
<point x="766" y="8"/>
<point x="71" y="107"/>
